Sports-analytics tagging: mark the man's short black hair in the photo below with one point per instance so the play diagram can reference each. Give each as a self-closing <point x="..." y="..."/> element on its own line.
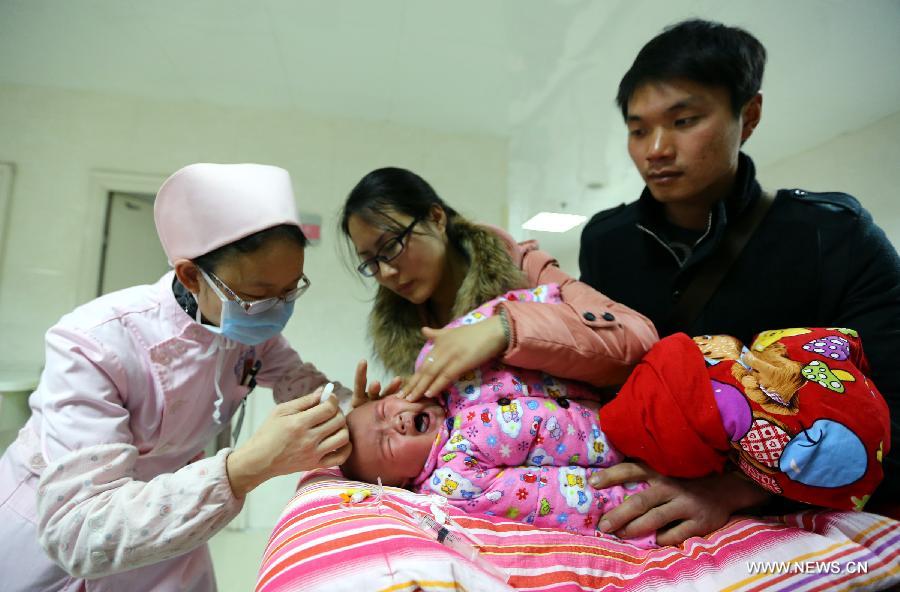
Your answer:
<point x="701" y="51"/>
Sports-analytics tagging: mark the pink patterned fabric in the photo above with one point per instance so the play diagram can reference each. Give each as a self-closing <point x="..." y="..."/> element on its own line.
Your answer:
<point x="322" y="544"/>
<point x="521" y="444"/>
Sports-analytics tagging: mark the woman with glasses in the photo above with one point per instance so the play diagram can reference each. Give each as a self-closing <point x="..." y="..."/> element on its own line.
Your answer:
<point x="432" y="266"/>
<point x="107" y="479"/>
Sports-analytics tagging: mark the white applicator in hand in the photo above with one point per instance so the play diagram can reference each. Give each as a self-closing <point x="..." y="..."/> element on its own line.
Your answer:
<point x="327" y="392"/>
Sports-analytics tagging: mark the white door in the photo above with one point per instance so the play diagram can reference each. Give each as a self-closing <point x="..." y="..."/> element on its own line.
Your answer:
<point x="132" y="254"/>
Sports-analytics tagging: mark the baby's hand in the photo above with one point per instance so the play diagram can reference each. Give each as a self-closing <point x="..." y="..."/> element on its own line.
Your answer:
<point x="362" y="393"/>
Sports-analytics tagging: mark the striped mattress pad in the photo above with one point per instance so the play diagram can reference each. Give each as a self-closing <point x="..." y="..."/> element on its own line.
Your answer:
<point x="325" y="542"/>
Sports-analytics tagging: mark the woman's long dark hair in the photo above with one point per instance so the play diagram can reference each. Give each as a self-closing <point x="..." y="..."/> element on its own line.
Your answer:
<point x="392" y="190"/>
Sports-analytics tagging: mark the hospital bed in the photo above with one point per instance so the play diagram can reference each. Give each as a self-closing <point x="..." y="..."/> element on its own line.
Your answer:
<point x="329" y="539"/>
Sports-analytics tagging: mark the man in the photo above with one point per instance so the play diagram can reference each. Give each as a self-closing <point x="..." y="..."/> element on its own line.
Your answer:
<point x="690" y="101"/>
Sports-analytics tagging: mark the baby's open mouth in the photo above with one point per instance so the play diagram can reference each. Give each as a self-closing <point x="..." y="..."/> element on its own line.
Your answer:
<point x="422" y="421"/>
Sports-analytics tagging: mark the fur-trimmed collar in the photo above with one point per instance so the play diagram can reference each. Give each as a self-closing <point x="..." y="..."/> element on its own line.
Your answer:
<point x="395" y="323"/>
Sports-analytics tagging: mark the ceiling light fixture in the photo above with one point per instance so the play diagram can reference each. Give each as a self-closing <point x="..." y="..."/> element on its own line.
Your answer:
<point x="553" y="222"/>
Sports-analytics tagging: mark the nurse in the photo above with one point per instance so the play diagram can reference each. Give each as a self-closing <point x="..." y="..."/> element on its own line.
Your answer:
<point x="106" y="487"/>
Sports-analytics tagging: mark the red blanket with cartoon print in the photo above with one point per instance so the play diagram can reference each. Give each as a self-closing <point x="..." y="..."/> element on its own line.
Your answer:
<point x="796" y="412"/>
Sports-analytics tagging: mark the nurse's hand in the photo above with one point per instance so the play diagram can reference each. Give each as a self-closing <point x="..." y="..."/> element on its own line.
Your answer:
<point x="298" y="435"/>
<point x="455" y="352"/>
<point x="363" y="393"/>
<point x="676" y="509"/>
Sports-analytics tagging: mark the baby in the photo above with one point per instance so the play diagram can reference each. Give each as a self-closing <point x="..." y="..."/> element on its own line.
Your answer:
<point x="502" y="441"/>
<point x="795" y="412"/>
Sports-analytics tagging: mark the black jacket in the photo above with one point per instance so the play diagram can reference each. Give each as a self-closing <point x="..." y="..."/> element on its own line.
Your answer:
<point x="816" y="259"/>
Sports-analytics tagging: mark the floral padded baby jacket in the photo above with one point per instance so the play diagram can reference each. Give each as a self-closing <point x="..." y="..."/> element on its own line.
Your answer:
<point x="521" y="444"/>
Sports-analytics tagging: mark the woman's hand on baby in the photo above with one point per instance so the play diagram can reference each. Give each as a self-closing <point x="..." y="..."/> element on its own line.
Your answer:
<point x="363" y="392"/>
<point x="455" y="352"/>
<point x="676" y="509"/>
<point x="298" y="435"/>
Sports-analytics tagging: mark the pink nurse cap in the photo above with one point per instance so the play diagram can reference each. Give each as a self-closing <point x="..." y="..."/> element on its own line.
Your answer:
<point x="206" y="206"/>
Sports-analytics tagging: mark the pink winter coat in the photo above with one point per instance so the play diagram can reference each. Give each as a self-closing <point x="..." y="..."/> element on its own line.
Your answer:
<point x="588" y="337"/>
<point x="521" y="443"/>
<point x="105" y="477"/>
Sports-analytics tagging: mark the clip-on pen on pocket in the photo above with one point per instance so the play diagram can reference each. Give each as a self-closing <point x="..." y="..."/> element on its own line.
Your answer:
<point x="250" y="382"/>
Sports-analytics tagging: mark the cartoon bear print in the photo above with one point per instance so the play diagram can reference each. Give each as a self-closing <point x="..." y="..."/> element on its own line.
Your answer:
<point x="770" y="378"/>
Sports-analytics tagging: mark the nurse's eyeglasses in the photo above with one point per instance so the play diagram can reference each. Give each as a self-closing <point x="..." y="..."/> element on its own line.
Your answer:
<point x="255" y="306"/>
<point x="389" y="251"/>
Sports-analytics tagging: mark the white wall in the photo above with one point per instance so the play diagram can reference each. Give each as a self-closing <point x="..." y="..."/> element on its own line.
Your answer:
<point x="862" y="163"/>
<point x="567" y="143"/>
<point x="56" y="138"/>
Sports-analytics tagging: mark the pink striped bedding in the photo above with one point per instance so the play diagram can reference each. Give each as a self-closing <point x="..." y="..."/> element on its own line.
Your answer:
<point x="323" y="543"/>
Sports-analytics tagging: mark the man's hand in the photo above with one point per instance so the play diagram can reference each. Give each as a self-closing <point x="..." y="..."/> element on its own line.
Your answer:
<point x="363" y="393"/>
<point x="676" y="509"/>
<point x="455" y="352"/>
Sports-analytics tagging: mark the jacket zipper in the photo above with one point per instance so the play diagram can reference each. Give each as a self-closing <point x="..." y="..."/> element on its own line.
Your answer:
<point x="708" y="228"/>
<point x="663" y="243"/>
<point x="666" y="245"/>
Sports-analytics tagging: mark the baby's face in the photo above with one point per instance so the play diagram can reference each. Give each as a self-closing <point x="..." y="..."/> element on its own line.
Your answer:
<point x="392" y="438"/>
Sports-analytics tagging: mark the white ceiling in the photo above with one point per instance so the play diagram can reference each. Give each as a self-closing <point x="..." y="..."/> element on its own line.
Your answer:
<point x="454" y="66"/>
<point x="473" y="65"/>
<point x="483" y="66"/>
<point x="833" y="66"/>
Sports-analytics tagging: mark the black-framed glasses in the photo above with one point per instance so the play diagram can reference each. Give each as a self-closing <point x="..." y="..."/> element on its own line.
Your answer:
<point x="389" y="251"/>
<point x="255" y="306"/>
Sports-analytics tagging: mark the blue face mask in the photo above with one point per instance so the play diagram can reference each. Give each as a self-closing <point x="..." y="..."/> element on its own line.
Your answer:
<point x="250" y="329"/>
